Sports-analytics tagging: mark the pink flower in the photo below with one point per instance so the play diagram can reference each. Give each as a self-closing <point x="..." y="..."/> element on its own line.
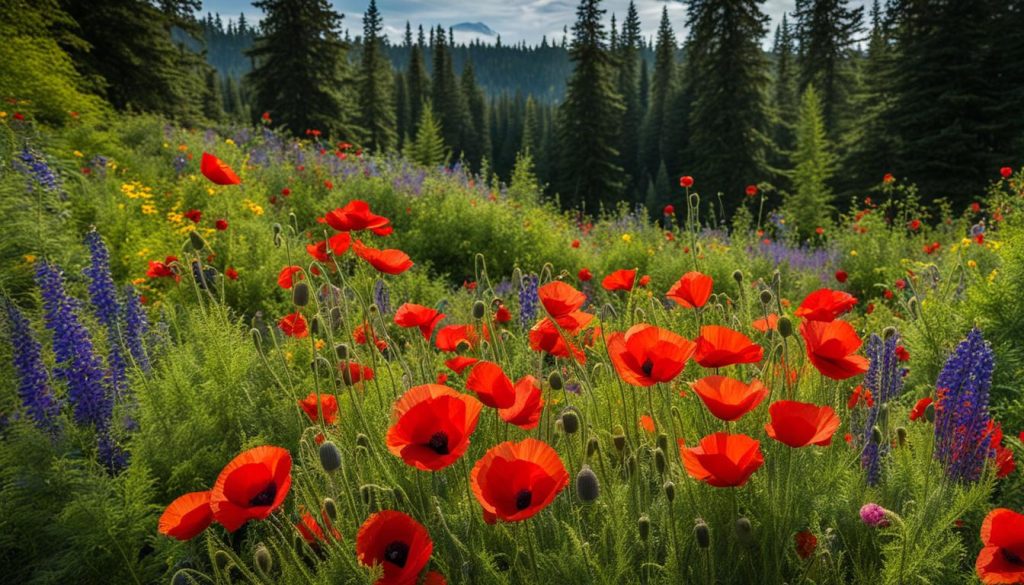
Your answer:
<point x="873" y="515"/>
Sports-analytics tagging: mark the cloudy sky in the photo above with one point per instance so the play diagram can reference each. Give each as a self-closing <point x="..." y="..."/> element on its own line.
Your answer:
<point x="515" y="20"/>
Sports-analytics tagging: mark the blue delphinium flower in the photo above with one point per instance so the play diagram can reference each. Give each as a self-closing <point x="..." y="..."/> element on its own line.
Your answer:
<point x="382" y="297"/>
<point x="884" y="380"/>
<point x="33" y="165"/>
<point x="78" y="364"/>
<point x="107" y="309"/>
<point x="33" y="384"/>
<point x="963" y="440"/>
<point x="109" y="452"/>
<point x="136" y="327"/>
<point x="528" y="300"/>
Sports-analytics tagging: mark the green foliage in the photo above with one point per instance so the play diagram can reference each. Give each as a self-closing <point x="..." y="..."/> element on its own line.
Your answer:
<point x="809" y="206"/>
<point x="428" y="149"/>
<point x="376" y="110"/>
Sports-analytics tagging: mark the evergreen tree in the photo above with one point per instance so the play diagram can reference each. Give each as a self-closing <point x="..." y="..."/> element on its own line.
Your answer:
<point x="588" y="119"/>
<point x="531" y="128"/>
<point x="475" y="138"/>
<point x="446" y="98"/>
<point x="213" y="99"/>
<point x="629" y="88"/>
<point x="402" y="109"/>
<point x="653" y="150"/>
<point x="524" y="185"/>
<point x="809" y="204"/>
<point x="301" y="69"/>
<point x="417" y="82"/>
<point x="728" y="120"/>
<point x="376" y="105"/>
<point x="826" y="32"/>
<point x="428" y="149"/>
<point x="784" y="94"/>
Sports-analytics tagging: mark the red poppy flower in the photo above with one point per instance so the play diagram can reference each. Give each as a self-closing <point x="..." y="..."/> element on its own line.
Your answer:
<point x="294" y="325"/>
<point x="221" y="225"/>
<point x="338" y="243"/>
<point x="1002" y="558"/>
<point x="328" y="404"/>
<point x="619" y="280"/>
<point x="460" y="363"/>
<point x="398" y="543"/>
<point x="217" y="170"/>
<point x="799" y="424"/>
<point x="353" y="373"/>
<point x="1006" y="172"/>
<point x="431" y="425"/>
<point x="806" y="543"/>
<point x="902" y="354"/>
<point x="647" y="423"/>
<point x="355" y="216"/>
<point x="286" y="278"/>
<point x="525" y="413"/>
<point x="251" y="486"/>
<point x="434" y="578"/>
<point x="645" y="354"/>
<point x="514" y="481"/>
<point x="231" y="273"/>
<point x="692" y="290"/>
<point x="887" y="294"/>
<point x="502" y="315"/>
<point x="194" y="215"/>
<point x="686" y="182"/>
<point x="412" y="315"/>
<point x="575" y="244"/>
<point x="546" y="337"/>
<point x="584" y="275"/>
<point x="450" y="337"/>
<point x="159" y="269"/>
<point x="722" y="460"/>
<point x="560" y="299"/>
<point x="669" y="209"/>
<point x="383" y="231"/>
<point x="727" y="398"/>
<point x="766" y="323"/>
<point x="311" y="531"/>
<point x="187" y="516"/>
<point x="751" y="190"/>
<point x="644" y="280"/>
<point x="917" y="413"/>
<point x="1003" y="457"/>
<point x="719" y="346"/>
<point x="841" y="276"/>
<point x="888" y="178"/>
<point x="830" y="347"/>
<point x="491" y="385"/>
<point x="914" y="225"/>
<point x="860" y="393"/>
<point x="360" y="336"/>
<point x="825" y="305"/>
<point x="386" y="261"/>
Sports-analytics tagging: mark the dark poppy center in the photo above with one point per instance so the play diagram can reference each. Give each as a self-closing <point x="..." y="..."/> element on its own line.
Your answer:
<point x="265" y="497"/>
<point x="1012" y="558"/>
<point x="648" y="367"/>
<point x="439" y="443"/>
<point x="396" y="553"/>
<point x="523" y="499"/>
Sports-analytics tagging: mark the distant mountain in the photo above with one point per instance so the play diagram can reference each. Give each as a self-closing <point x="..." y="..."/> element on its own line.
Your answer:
<point x="475" y="27"/>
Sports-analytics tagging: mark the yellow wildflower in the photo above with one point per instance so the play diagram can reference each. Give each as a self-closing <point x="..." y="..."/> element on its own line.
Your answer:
<point x="229" y="141"/>
<point x="853" y="252"/>
<point x="972" y="263"/>
<point x="182" y="147"/>
<point x="320" y="343"/>
<point x="3" y="115"/>
<point x="148" y="209"/>
<point x="210" y="191"/>
<point x="627" y="238"/>
<point x="965" y="242"/>
<point x="78" y="153"/>
<point x="30" y="258"/>
<point x="992" y="276"/>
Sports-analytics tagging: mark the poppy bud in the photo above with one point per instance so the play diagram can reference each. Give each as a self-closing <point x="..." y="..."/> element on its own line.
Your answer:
<point x="876" y="436"/>
<point x="341" y="350"/>
<point x="276" y="228"/>
<point x="737" y="275"/>
<point x="462" y="346"/>
<point x="558" y="425"/>
<point x="197" y="241"/>
<point x="644" y="526"/>
<point x="363" y="441"/>
<point x="587" y="487"/>
<point x="555" y="380"/>
<point x="785" y="326"/>
<point x="776" y="279"/>
<point x="901" y="436"/>
<point x="570" y="420"/>
<point x="261" y="556"/>
<point x="929" y="413"/>
<point x="330" y="508"/>
<point x="630" y="466"/>
<point x="744" y="531"/>
<point x="501" y="562"/>
<point x="663" y="442"/>
<point x="314" y="325"/>
<point x="223" y="560"/>
<point x="619" y="440"/>
<point x="913" y="306"/>
<point x="660" y="463"/>
<point x="766" y="296"/>
<point x="373" y="308"/>
<point x="694" y="199"/>
<point x="330" y="456"/>
<point x="299" y="544"/>
<point x="368" y="494"/>
<point x="335" y="317"/>
<point x="670" y="491"/>
<point x="362" y="452"/>
<point x="478" y="309"/>
<point x="702" y="534"/>
<point x="320" y="364"/>
<point x="888" y="332"/>
<point x="182" y="578"/>
<point x="592" y="446"/>
<point x="346" y="376"/>
<point x="608" y="312"/>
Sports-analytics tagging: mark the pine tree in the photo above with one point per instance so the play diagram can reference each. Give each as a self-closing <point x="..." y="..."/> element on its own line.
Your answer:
<point x="629" y="88"/>
<point x="301" y="70"/>
<point x="809" y="204"/>
<point x="446" y="98"/>
<point x="784" y="94"/>
<point x="653" y="150"/>
<point x="402" y="109"/>
<point x="417" y="82"/>
<point x="588" y="119"/>
<point x="728" y="123"/>
<point x="475" y="139"/>
<point x="531" y="128"/>
<point x="213" y="100"/>
<point x="376" y="103"/>
<point x="826" y="32"/>
<point x="428" y="149"/>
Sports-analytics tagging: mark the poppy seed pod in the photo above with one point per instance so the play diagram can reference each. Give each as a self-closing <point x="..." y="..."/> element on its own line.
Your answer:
<point x="888" y="332"/>
<point x="478" y="309"/>
<point x="744" y="531"/>
<point x="341" y="350"/>
<point x="766" y="296"/>
<point x="737" y="275"/>
<point x="330" y="456"/>
<point x="276" y="228"/>
<point x="929" y="413"/>
<point x="362" y="452"/>
<point x="300" y="294"/>
<point x="619" y="440"/>
<point x="462" y="346"/>
<point x="644" y="526"/>
<point x="587" y="486"/>
<point x="335" y="317"/>
<point x="630" y="466"/>
<point x="197" y="241"/>
<point x="592" y="446"/>
<point x="368" y="494"/>
<point x="660" y="462"/>
<point x="363" y="441"/>
<point x="182" y="578"/>
<point x="330" y="508"/>
<point x="901" y="436"/>
<point x="570" y="420"/>
<point x="694" y="199"/>
<point x="663" y="442"/>
<point x="320" y="364"/>
<point x="223" y="560"/>
<point x="785" y="327"/>
<point x="702" y="534"/>
<point x="876" y="436"/>
<point x="912" y="304"/>
<point x="670" y="491"/>
<point x="555" y="380"/>
<point x="262" y="558"/>
<point x="608" y="312"/>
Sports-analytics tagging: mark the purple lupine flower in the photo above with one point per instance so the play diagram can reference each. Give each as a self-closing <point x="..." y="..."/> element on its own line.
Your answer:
<point x="382" y="297"/>
<point x="528" y="300"/>
<point x="110" y="453"/>
<point x="873" y="515"/>
<point x="99" y="165"/>
<point x="33" y="165"/>
<point x="136" y="326"/>
<point x="78" y="364"/>
<point x="884" y="379"/>
<point x="817" y="260"/>
<point x="107" y="309"/>
<point x="503" y="287"/>
<point x="33" y="384"/>
<point x="963" y="439"/>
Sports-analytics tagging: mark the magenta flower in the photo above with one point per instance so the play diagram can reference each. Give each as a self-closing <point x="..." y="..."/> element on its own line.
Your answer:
<point x="873" y="515"/>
